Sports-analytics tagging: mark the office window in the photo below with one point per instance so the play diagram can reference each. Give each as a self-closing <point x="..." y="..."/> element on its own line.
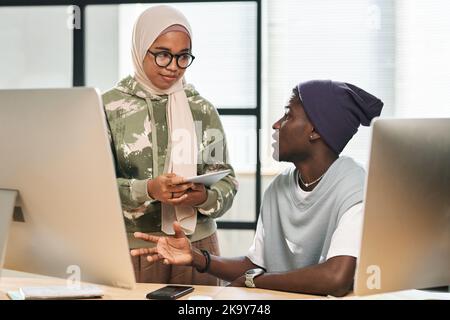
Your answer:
<point x="422" y="59"/>
<point x="241" y="139"/>
<point x="36" y="49"/>
<point x="102" y="46"/>
<point x="348" y="40"/>
<point x="397" y="50"/>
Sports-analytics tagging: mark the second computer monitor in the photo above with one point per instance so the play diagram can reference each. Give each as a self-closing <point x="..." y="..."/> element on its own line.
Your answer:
<point x="406" y="235"/>
<point x="55" y="152"/>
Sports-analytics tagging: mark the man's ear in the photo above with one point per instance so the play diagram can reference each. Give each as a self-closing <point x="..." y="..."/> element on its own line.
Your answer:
<point x="314" y="135"/>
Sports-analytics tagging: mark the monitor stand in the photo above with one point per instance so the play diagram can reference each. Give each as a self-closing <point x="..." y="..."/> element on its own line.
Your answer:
<point x="7" y="203"/>
<point x="443" y="289"/>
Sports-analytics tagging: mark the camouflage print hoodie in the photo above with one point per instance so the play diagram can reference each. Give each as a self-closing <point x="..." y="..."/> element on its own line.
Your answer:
<point x="138" y="128"/>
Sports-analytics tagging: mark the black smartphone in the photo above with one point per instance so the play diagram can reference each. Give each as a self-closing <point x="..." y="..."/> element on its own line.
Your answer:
<point x="170" y="292"/>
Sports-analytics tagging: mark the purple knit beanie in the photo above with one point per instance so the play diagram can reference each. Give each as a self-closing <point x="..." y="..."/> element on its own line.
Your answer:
<point x="336" y="109"/>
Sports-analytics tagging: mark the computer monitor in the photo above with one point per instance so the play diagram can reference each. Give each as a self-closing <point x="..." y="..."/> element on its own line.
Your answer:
<point x="406" y="233"/>
<point x="68" y="222"/>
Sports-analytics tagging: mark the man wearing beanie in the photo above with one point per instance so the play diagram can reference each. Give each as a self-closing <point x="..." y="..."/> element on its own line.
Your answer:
<point x="309" y="230"/>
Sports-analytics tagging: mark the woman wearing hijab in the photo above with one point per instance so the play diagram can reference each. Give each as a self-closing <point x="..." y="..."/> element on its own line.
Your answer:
<point x="161" y="131"/>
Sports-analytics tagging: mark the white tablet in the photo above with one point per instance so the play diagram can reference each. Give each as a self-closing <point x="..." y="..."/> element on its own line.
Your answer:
<point x="210" y="178"/>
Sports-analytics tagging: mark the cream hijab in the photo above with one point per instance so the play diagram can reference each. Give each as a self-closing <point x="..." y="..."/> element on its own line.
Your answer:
<point x="183" y="141"/>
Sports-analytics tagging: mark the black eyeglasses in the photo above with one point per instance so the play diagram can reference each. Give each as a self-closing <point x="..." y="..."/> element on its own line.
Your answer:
<point x="164" y="58"/>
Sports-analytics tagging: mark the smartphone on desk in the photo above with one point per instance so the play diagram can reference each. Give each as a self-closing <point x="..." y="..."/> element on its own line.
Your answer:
<point x="170" y="292"/>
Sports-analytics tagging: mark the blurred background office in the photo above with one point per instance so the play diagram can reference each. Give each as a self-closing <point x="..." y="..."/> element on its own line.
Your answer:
<point x="249" y="55"/>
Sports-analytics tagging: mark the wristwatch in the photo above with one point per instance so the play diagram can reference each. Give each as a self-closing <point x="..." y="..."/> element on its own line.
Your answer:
<point x="252" y="274"/>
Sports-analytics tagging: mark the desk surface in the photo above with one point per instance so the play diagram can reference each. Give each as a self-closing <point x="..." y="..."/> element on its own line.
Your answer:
<point x="13" y="280"/>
